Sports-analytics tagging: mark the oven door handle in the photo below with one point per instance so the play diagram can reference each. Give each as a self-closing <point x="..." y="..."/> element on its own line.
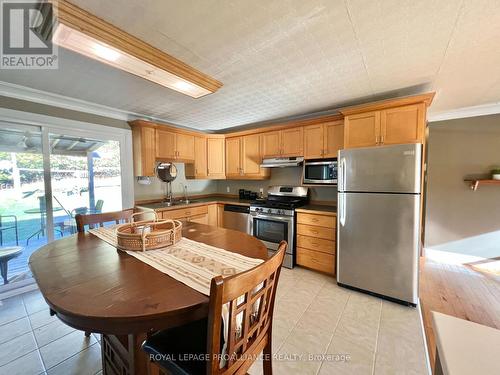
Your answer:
<point x="285" y="218"/>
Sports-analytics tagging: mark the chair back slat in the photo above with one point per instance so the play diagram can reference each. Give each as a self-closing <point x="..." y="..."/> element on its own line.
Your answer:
<point x="92" y="220"/>
<point x="249" y="300"/>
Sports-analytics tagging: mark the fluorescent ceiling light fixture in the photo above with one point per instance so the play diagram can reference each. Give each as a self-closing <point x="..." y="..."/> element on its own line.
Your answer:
<point x="84" y="33"/>
<point x="106" y="52"/>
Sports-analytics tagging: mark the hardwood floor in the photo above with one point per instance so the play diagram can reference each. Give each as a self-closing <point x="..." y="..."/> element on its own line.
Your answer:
<point x="463" y="291"/>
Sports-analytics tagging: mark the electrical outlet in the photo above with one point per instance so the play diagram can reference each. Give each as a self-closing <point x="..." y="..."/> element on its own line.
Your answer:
<point x="228" y="189"/>
<point x="261" y="190"/>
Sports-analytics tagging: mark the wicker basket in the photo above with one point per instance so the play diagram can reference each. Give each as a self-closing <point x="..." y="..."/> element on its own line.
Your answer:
<point x="148" y="234"/>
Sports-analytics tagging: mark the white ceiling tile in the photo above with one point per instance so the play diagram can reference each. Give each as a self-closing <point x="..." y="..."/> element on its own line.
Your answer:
<point x="289" y="57"/>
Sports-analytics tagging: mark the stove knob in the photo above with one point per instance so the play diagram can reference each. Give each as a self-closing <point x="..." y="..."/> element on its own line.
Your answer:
<point x="257" y="209"/>
<point x="269" y="211"/>
<point x="281" y="212"/>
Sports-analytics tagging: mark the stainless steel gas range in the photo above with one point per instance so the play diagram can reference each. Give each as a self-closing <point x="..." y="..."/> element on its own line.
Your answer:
<point x="273" y="219"/>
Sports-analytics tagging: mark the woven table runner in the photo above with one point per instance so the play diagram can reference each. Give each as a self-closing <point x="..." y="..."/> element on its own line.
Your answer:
<point x="190" y="262"/>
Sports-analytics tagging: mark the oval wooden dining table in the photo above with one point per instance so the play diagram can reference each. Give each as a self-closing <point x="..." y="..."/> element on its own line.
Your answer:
<point x="93" y="287"/>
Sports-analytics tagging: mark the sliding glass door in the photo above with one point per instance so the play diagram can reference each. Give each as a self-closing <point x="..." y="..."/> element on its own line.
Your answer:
<point x="85" y="178"/>
<point x="47" y="176"/>
<point x="22" y="200"/>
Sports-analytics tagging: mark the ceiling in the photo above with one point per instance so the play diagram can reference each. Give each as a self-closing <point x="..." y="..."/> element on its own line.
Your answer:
<point x="290" y="57"/>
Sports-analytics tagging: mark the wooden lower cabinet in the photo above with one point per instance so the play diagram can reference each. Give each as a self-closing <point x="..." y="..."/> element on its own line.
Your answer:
<point x="185" y="213"/>
<point x="200" y="219"/>
<point x="316" y="246"/>
<point x="315" y="231"/>
<point x="317" y="220"/>
<point x="316" y="260"/>
<point x="213" y="216"/>
<point x="210" y="214"/>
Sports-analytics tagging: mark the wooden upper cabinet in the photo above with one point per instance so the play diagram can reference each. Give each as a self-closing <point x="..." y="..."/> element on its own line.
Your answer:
<point x="387" y="122"/>
<point x="333" y="138"/>
<point x="271" y="145"/>
<point x="250" y="155"/>
<point x="283" y="143"/>
<point x="185" y="146"/>
<point x="233" y="157"/>
<point x="243" y="158"/>
<point x="403" y="124"/>
<point x="165" y="144"/>
<point x="323" y="140"/>
<point x="174" y="146"/>
<point x="216" y="161"/>
<point x="313" y="141"/>
<point x="144" y="144"/>
<point x="199" y="168"/>
<point x="362" y="129"/>
<point x="292" y="142"/>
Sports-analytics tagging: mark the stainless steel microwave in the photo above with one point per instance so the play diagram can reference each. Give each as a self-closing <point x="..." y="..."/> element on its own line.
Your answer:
<point x="320" y="172"/>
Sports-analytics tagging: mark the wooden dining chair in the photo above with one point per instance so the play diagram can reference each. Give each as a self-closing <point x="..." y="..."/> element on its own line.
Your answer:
<point x="247" y="298"/>
<point x="93" y="220"/>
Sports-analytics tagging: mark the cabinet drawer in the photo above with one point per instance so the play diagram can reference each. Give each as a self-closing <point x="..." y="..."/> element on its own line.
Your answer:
<point x="316" y="244"/>
<point x="200" y="219"/>
<point x="316" y="260"/>
<point x="185" y="212"/>
<point x="319" y="220"/>
<point x="315" y="231"/>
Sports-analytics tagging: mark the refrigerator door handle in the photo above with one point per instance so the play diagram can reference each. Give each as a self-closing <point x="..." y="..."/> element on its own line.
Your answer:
<point x="342" y="209"/>
<point x="341" y="175"/>
<point x="344" y="173"/>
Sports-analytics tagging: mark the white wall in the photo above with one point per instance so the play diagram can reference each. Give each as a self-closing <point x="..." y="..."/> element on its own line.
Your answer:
<point x="279" y="176"/>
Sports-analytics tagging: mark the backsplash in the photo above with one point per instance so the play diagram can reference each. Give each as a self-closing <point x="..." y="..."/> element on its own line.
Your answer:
<point x="157" y="188"/>
<point x="279" y="176"/>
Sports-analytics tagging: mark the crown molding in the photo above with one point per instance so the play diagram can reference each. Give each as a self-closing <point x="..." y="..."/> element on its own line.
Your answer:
<point x="464" y="112"/>
<point x="12" y="90"/>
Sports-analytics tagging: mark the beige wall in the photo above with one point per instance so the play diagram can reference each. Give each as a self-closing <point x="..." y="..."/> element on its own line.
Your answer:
<point x="458" y="219"/>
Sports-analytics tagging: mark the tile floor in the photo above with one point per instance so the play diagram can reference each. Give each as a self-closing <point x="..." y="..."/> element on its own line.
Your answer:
<point x="319" y="328"/>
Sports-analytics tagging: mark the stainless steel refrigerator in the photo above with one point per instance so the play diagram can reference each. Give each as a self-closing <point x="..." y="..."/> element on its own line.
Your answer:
<point x="378" y="231"/>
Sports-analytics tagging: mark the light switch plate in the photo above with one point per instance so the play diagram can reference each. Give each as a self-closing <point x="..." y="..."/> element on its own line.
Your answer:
<point x="228" y="189"/>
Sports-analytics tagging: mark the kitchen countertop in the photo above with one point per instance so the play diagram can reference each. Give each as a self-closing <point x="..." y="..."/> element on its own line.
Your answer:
<point x="318" y="209"/>
<point x="160" y="206"/>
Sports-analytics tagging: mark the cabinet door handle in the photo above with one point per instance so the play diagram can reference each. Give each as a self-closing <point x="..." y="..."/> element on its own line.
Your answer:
<point x="376" y="140"/>
<point x="381" y="139"/>
<point x="314" y="219"/>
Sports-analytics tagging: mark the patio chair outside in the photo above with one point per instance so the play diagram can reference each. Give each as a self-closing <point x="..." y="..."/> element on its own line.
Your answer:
<point x="4" y="226"/>
<point x="70" y="223"/>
